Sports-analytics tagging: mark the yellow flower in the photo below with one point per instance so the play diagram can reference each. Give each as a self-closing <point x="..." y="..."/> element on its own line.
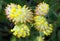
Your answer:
<point x="21" y="30"/>
<point x="42" y="9"/>
<point x="18" y="13"/>
<point x="11" y="11"/>
<point x="42" y="25"/>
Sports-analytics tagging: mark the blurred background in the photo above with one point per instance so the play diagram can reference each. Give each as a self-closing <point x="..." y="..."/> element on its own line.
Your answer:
<point x="53" y="17"/>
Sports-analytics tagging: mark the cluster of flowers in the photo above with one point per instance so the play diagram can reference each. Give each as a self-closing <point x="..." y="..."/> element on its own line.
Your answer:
<point x="41" y="23"/>
<point x="21" y="15"/>
<point x="17" y="13"/>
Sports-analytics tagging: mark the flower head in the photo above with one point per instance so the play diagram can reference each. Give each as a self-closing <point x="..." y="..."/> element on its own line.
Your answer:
<point x="10" y="10"/>
<point x="21" y="30"/>
<point x="42" y="25"/>
<point x="42" y="9"/>
<point x="18" y="13"/>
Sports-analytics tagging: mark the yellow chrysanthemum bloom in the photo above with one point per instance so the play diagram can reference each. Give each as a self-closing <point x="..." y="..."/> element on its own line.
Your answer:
<point x="18" y="13"/>
<point x="10" y="11"/>
<point x="42" y="25"/>
<point x="42" y="9"/>
<point x="21" y="30"/>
